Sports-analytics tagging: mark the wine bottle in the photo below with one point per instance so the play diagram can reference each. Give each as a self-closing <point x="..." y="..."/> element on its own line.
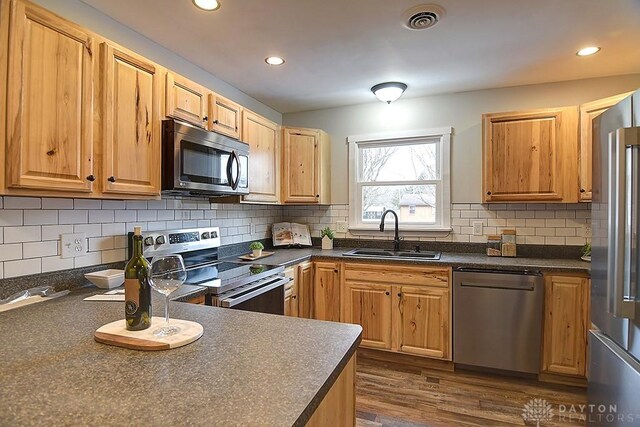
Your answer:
<point x="137" y="289"/>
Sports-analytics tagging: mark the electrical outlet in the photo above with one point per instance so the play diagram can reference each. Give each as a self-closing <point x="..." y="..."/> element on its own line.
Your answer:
<point x="586" y="231"/>
<point x="74" y="245"/>
<point x="477" y="228"/>
<point x="342" y="226"/>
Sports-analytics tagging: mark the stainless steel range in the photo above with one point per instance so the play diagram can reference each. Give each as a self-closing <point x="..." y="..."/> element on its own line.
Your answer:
<point x="241" y="286"/>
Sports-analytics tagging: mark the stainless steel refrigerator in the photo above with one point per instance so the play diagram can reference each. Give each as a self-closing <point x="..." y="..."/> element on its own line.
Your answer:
<point x="614" y="348"/>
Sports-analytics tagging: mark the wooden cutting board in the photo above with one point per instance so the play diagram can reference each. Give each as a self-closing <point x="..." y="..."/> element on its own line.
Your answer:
<point x="250" y="257"/>
<point x="115" y="333"/>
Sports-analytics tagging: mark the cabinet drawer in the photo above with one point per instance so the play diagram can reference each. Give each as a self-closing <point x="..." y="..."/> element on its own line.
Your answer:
<point x="398" y="274"/>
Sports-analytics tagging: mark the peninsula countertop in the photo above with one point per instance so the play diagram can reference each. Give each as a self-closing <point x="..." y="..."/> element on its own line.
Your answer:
<point x="247" y="368"/>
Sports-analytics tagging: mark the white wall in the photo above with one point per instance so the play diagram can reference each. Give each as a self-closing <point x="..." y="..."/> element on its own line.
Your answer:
<point x="463" y="111"/>
<point x="88" y="17"/>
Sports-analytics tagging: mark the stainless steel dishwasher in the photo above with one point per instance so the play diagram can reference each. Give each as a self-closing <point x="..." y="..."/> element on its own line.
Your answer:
<point x="497" y="319"/>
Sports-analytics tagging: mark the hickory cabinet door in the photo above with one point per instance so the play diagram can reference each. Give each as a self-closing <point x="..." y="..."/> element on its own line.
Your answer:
<point x="49" y="102"/>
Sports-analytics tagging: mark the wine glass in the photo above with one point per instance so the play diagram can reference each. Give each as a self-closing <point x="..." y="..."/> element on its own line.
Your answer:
<point x="167" y="273"/>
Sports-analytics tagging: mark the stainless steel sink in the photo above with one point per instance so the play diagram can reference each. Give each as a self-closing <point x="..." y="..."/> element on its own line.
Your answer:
<point x="381" y="253"/>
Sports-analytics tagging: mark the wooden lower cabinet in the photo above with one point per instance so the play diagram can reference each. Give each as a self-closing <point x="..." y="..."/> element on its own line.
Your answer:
<point x="338" y="408"/>
<point x="326" y="291"/>
<point x="566" y="320"/>
<point x="369" y="305"/>
<point x="422" y="323"/>
<point x="305" y="289"/>
<point x="291" y="293"/>
<point x="412" y="319"/>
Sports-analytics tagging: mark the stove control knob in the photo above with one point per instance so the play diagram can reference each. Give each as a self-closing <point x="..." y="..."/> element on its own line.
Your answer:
<point x="148" y="241"/>
<point x="214" y="234"/>
<point x="160" y="240"/>
<point x="206" y="235"/>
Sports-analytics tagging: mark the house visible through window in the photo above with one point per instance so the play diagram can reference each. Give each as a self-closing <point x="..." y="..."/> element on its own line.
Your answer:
<point x="407" y="172"/>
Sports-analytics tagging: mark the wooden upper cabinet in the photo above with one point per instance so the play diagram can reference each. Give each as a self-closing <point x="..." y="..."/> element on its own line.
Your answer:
<point x="423" y="321"/>
<point x="263" y="137"/>
<point x="588" y="112"/>
<point x="130" y="125"/>
<point x="306" y="175"/>
<point x="305" y="290"/>
<point x="326" y="291"/>
<point x="224" y="116"/>
<point x="49" y="102"/>
<point x="531" y="156"/>
<point x="186" y="100"/>
<point x="566" y="321"/>
<point x="369" y="305"/>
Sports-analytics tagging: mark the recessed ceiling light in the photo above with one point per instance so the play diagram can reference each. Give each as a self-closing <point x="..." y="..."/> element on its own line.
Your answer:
<point x="274" y="60"/>
<point x="389" y="91"/>
<point x="586" y="51"/>
<point x="208" y="5"/>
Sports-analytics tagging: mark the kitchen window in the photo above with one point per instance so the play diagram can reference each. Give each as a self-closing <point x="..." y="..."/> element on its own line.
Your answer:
<point x="407" y="172"/>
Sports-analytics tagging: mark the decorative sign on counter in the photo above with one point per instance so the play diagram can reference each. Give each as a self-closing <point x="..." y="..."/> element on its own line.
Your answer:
<point x="116" y="333"/>
<point x="290" y="233"/>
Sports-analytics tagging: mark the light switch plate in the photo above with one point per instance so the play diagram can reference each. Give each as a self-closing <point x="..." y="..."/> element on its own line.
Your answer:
<point x="477" y="228"/>
<point x="342" y="226"/>
<point x="74" y="245"/>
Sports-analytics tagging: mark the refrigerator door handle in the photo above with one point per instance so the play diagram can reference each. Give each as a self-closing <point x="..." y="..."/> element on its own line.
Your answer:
<point x="621" y="303"/>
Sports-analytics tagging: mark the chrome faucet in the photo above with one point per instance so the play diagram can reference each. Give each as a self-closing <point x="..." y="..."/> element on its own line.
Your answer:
<point x="396" y="238"/>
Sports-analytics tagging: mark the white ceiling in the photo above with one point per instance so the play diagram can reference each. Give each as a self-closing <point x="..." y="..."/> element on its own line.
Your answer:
<point x="337" y="49"/>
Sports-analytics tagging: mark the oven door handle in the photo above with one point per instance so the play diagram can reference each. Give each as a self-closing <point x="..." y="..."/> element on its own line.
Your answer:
<point x="231" y="301"/>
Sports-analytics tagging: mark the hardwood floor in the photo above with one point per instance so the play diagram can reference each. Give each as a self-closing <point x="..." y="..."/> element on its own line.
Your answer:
<point x="390" y="394"/>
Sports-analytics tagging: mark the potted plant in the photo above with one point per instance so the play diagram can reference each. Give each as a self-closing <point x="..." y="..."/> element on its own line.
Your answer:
<point x="327" y="238"/>
<point x="586" y="252"/>
<point x="256" y="248"/>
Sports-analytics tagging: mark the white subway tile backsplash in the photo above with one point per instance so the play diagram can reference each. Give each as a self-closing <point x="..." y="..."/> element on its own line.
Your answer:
<point x="11" y="217"/>
<point x="73" y="217"/>
<point x="113" y="204"/>
<point x="11" y="202"/>
<point x="55" y="263"/>
<point x="22" y="267"/>
<point x="31" y="233"/>
<point x="40" y="249"/>
<point x="116" y="229"/>
<point x="57" y="203"/>
<point x="87" y="204"/>
<point x="90" y="230"/>
<point x="125" y="216"/>
<point x="40" y="217"/>
<point x="10" y="252"/>
<point x="101" y="216"/>
<point x="53" y="232"/>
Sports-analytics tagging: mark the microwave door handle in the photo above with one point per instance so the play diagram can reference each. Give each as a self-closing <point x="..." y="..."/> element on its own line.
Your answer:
<point x="621" y="214"/>
<point x="234" y="158"/>
<point x="229" y="169"/>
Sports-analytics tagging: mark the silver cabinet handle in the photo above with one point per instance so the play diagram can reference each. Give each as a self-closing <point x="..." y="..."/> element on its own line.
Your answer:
<point x="621" y="214"/>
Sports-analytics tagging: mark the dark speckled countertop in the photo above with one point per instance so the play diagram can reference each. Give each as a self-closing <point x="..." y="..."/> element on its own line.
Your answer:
<point x="289" y="257"/>
<point x="247" y="369"/>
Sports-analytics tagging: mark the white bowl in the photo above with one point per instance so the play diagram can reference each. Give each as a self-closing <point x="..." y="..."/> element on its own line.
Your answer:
<point x="106" y="279"/>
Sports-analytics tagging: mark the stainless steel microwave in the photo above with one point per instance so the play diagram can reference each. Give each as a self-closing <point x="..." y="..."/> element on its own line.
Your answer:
<point x="196" y="161"/>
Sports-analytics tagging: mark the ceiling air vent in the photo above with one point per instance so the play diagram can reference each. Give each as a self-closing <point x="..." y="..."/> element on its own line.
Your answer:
<point x="423" y="16"/>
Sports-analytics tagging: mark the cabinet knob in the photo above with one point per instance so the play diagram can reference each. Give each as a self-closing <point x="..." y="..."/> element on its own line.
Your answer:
<point x="205" y="118"/>
<point x="215" y="122"/>
<point x="111" y="179"/>
<point x="91" y="178"/>
<point x="335" y="271"/>
<point x="386" y="293"/>
<point x="400" y="294"/>
<point x="582" y="190"/>
<point x="488" y="193"/>
<point x="317" y="195"/>
<point x="294" y="296"/>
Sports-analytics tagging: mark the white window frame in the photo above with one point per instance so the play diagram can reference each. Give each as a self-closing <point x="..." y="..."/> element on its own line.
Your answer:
<point x="443" y="197"/>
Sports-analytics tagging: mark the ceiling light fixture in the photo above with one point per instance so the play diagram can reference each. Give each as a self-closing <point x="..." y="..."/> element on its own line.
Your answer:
<point x="274" y="60"/>
<point x="586" y="51"/>
<point x="389" y="91"/>
<point x="208" y="5"/>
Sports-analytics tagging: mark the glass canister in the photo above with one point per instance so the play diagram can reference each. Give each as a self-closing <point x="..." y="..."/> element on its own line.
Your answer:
<point x="509" y="243"/>
<point x="494" y="245"/>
